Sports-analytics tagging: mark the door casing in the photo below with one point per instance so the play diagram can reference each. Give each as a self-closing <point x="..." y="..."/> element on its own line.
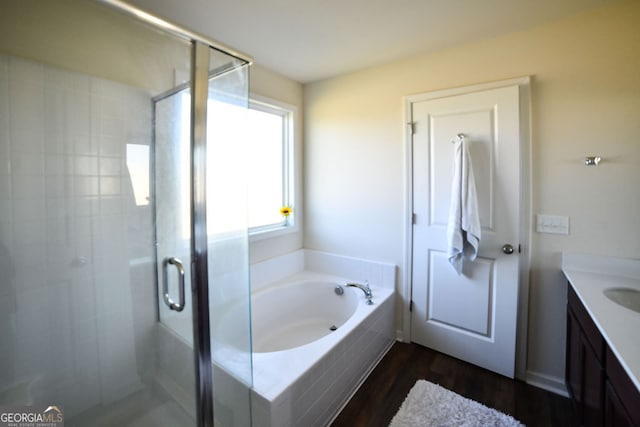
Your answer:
<point x="524" y="85"/>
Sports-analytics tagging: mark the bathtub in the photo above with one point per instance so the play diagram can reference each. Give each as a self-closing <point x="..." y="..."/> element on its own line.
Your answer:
<point x="303" y="371"/>
<point x="312" y="348"/>
<point x="299" y="312"/>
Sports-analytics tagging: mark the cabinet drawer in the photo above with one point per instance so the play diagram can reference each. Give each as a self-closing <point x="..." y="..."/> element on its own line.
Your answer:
<point x="625" y="389"/>
<point x="589" y="328"/>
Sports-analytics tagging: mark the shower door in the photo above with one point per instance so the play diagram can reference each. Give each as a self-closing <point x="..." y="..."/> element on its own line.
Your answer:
<point x="85" y="326"/>
<point x="200" y="191"/>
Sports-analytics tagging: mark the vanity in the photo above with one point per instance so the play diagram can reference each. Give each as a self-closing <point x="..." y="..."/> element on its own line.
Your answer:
<point x="603" y="339"/>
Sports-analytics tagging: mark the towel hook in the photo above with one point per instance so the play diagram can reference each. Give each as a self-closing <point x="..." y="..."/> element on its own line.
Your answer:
<point x="460" y="136"/>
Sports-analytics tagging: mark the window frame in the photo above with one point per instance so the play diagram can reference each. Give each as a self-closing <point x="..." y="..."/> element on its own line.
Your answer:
<point x="288" y="113"/>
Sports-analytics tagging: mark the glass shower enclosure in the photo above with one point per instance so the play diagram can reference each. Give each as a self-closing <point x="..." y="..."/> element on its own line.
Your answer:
<point x="123" y="253"/>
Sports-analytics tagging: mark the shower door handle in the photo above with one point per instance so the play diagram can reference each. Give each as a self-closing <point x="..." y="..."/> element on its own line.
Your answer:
<point x="165" y="283"/>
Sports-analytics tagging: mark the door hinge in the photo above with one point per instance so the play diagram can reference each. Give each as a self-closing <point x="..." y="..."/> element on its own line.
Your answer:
<point x="519" y="249"/>
<point x="413" y="219"/>
<point x="412" y="127"/>
<point x="410" y="306"/>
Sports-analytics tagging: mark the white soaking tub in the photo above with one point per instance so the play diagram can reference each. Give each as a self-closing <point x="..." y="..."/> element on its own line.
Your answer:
<point x="312" y="348"/>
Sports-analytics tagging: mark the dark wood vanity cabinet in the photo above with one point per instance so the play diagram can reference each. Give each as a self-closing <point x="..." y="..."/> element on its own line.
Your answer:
<point x="602" y="392"/>
<point x="585" y="375"/>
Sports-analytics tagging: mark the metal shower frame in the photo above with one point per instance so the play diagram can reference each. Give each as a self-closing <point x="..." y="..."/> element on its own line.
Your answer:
<point x="200" y="50"/>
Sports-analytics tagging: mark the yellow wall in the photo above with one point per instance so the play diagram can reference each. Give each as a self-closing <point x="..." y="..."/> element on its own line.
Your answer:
<point x="92" y="39"/>
<point x="585" y="101"/>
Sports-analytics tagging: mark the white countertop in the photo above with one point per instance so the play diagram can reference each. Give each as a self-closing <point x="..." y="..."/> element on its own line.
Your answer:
<point x="590" y="276"/>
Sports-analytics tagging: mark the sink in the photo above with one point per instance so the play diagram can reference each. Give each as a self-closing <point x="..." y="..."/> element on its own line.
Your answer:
<point x="626" y="297"/>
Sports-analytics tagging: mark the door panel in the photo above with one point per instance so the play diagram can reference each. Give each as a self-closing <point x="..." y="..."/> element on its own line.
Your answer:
<point x="441" y="161"/>
<point x="471" y="316"/>
<point x="446" y="308"/>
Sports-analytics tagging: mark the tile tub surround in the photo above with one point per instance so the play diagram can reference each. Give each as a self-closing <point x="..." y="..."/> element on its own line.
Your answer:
<point x="310" y="384"/>
<point x="380" y="274"/>
<point x="71" y="232"/>
<point x="590" y="276"/>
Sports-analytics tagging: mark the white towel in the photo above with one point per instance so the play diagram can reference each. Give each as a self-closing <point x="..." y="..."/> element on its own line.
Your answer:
<point x="463" y="231"/>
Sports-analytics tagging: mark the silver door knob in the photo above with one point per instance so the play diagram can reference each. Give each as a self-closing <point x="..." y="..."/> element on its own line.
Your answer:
<point x="507" y="249"/>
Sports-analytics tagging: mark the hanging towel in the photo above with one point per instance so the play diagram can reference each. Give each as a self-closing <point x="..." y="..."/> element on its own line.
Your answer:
<point x="463" y="231"/>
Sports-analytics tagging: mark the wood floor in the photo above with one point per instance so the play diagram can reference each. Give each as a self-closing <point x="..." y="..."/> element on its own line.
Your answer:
<point x="383" y="392"/>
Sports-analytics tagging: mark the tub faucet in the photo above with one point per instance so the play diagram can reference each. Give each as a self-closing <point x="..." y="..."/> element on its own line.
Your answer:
<point x="364" y="288"/>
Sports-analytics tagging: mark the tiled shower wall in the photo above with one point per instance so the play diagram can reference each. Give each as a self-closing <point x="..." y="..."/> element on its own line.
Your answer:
<point x="75" y="250"/>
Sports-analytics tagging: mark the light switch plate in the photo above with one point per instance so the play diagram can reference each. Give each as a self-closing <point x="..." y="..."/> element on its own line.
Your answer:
<point x="554" y="224"/>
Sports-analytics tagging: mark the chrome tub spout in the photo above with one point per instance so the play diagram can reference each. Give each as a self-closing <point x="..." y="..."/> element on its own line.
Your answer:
<point x="364" y="288"/>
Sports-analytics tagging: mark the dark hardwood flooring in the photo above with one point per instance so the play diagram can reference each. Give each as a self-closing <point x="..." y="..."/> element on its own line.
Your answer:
<point x="381" y="395"/>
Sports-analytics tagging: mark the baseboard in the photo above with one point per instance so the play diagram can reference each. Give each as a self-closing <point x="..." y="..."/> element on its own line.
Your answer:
<point x="547" y="382"/>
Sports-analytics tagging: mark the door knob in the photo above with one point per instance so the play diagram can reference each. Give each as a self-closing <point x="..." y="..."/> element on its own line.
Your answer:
<point x="507" y="249"/>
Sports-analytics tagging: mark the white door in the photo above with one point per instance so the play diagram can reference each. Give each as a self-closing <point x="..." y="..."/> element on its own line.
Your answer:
<point x="471" y="316"/>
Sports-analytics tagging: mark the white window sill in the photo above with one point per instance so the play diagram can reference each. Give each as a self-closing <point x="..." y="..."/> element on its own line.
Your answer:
<point x="268" y="233"/>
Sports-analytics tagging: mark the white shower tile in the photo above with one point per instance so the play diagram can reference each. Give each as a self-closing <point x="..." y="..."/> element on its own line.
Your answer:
<point x="29" y="262"/>
<point x="58" y="78"/>
<point x="4" y="104"/>
<point x="82" y="83"/>
<point x="59" y="186"/>
<point x="59" y="257"/>
<point x="86" y="206"/>
<point x="85" y="144"/>
<point x="59" y="308"/>
<point x="85" y="349"/>
<point x="110" y="166"/>
<point x="6" y="230"/>
<point x="82" y="245"/>
<point x="111" y="205"/>
<point x="78" y="110"/>
<point x="55" y="109"/>
<point x="24" y="163"/>
<point x="57" y="165"/>
<point x="86" y="165"/>
<point x="57" y="234"/>
<point x="31" y="328"/>
<point x="27" y="140"/>
<point x="58" y="207"/>
<point x="5" y="158"/>
<point x="81" y="229"/>
<point x="27" y="106"/>
<point x="25" y="70"/>
<point x="111" y="145"/>
<point x="29" y="209"/>
<point x="28" y="186"/>
<point x="57" y="142"/>
<point x="86" y="186"/>
<point x="5" y="188"/>
<point x="111" y="125"/>
<point x="110" y="186"/>
<point x="83" y="300"/>
<point x="112" y="107"/>
<point x="29" y="233"/>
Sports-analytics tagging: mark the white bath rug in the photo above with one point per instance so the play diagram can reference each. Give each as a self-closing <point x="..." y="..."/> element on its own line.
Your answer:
<point x="429" y="404"/>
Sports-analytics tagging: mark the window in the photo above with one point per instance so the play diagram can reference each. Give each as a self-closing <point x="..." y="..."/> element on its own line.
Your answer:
<point x="262" y="137"/>
<point x="269" y="156"/>
<point x="266" y="143"/>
